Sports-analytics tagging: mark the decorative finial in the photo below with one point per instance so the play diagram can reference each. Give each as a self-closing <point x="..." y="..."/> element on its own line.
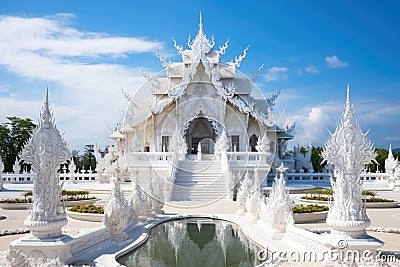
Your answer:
<point x="46" y="101"/>
<point x="45" y="116"/>
<point x="282" y="169"/>
<point x="390" y="151"/>
<point x="201" y="24"/>
<point x="348" y="112"/>
<point x="201" y="44"/>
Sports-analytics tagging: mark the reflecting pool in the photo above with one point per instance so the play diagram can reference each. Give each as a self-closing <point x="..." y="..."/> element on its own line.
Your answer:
<point x="194" y="242"/>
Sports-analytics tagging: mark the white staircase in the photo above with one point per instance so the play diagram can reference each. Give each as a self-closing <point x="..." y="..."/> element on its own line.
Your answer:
<point x="199" y="181"/>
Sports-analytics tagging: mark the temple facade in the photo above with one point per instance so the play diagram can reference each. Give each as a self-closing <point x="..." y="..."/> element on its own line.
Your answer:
<point x="196" y="111"/>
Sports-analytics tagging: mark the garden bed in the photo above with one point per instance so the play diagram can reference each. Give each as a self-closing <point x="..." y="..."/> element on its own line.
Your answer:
<point x="69" y="197"/>
<point x="87" y="212"/>
<point x="88" y="217"/>
<point x="375" y="203"/>
<point x="309" y="213"/>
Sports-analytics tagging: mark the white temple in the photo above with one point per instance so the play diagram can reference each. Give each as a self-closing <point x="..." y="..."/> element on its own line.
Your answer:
<point x="199" y="113"/>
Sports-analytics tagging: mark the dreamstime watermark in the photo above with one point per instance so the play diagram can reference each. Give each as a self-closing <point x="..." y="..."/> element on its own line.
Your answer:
<point x="337" y="255"/>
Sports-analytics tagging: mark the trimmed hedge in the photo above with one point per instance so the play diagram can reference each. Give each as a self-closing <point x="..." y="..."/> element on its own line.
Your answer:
<point x="68" y="195"/>
<point x="87" y="208"/>
<point x="324" y="191"/>
<point x="16" y="200"/>
<point x="309" y="208"/>
<point x="369" y="199"/>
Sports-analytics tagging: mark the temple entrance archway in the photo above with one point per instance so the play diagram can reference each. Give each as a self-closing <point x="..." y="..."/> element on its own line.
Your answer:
<point x="201" y="132"/>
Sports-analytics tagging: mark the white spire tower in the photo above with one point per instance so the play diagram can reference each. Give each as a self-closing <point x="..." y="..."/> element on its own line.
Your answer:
<point x="349" y="151"/>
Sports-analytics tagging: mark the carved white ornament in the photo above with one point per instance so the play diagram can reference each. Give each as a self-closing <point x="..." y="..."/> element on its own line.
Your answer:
<point x="222" y="144"/>
<point x="264" y="144"/>
<point x="117" y="213"/>
<point x="201" y="44"/>
<point x="16" y="166"/>
<point x="244" y="191"/>
<point x="349" y="151"/>
<point x="45" y="151"/>
<point x="277" y="211"/>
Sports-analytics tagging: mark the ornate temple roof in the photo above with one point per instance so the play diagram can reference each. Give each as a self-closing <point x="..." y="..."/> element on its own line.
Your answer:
<point x="233" y="86"/>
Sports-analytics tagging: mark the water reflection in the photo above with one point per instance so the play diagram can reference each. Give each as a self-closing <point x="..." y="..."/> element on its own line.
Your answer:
<point x="194" y="242"/>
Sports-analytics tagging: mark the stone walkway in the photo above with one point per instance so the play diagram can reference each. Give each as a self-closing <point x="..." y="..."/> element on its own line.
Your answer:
<point x="386" y="218"/>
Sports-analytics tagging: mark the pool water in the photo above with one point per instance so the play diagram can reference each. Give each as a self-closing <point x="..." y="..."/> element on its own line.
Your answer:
<point x="194" y="242"/>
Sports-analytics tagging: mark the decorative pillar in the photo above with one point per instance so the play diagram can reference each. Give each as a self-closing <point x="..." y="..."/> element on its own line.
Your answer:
<point x="45" y="151"/>
<point x="349" y="151"/>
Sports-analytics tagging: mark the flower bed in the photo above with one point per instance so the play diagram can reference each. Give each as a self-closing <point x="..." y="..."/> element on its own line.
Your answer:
<point x="371" y="202"/>
<point x="87" y="212"/>
<point x="309" y="213"/>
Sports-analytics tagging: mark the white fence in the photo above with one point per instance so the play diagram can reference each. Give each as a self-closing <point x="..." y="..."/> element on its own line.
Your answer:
<point x="28" y="177"/>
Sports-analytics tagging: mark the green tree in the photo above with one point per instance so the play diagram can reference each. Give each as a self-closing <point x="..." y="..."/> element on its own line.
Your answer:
<point x="382" y="155"/>
<point x="88" y="158"/>
<point x="317" y="159"/>
<point x="13" y="136"/>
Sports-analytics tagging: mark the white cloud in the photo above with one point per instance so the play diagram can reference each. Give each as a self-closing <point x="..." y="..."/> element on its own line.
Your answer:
<point x="86" y="93"/>
<point x="312" y="124"/>
<point x="311" y="69"/>
<point x="335" y="62"/>
<point x="276" y="74"/>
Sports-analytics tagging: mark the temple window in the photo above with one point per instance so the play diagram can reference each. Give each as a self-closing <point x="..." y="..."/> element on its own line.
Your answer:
<point x="165" y="143"/>
<point x="235" y="143"/>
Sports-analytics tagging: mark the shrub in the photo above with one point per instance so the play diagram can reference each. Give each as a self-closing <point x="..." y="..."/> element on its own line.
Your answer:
<point x="377" y="199"/>
<point x="87" y="208"/>
<point x="324" y="191"/>
<point x="16" y="200"/>
<point x="317" y="198"/>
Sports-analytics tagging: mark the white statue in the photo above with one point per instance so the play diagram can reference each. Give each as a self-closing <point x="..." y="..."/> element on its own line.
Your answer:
<point x="117" y="214"/>
<point x="16" y="167"/>
<point x="277" y="211"/>
<point x="199" y="151"/>
<point x="72" y="169"/>
<point x="264" y="144"/>
<point x="392" y="168"/>
<point x="253" y="202"/>
<point x="243" y="192"/>
<point x="349" y="151"/>
<point x="156" y="188"/>
<point x="46" y="150"/>
<point x="222" y="144"/>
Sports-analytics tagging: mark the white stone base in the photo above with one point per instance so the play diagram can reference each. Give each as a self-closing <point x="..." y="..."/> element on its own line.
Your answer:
<point x="343" y="242"/>
<point x="54" y="248"/>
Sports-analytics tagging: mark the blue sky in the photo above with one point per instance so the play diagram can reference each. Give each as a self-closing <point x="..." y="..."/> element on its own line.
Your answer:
<point x="311" y="50"/>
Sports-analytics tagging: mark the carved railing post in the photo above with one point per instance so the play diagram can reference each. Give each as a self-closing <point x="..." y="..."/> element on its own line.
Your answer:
<point x="349" y="151"/>
<point x="46" y="150"/>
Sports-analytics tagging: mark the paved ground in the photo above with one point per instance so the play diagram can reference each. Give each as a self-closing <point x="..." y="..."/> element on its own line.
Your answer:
<point x="15" y="218"/>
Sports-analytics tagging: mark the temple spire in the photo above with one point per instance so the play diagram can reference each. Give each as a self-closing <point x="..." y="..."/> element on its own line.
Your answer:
<point x="390" y="151"/>
<point x="201" y="24"/>
<point x="46" y="116"/>
<point x="348" y="112"/>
